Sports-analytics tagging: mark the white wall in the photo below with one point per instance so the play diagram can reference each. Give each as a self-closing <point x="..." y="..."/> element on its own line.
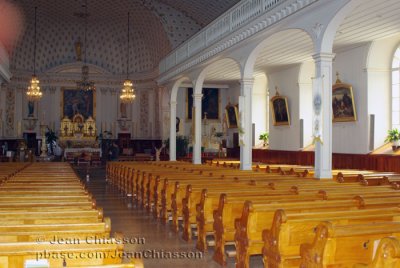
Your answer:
<point x="307" y="71"/>
<point x="352" y="137"/>
<point x="260" y="107"/>
<point x="379" y="64"/>
<point x="286" y="137"/>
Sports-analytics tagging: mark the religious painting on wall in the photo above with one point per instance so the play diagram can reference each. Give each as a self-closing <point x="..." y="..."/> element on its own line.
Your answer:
<point x="232" y="115"/>
<point x="280" y="111"/>
<point x="209" y="103"/>
<point x="343" y="105"/>
<point x="76" y="101"/>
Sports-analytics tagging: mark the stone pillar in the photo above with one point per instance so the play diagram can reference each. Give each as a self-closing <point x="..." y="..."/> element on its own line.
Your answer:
<point x="245" y="121"/>
<point x="172" y="132"/>
<point x="323" y="150"/>
<point x="197" y="134"/>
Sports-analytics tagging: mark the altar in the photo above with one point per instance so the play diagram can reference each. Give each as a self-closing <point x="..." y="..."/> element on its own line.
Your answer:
<point x="78" y="132"/>
<point x="78" y="151"/>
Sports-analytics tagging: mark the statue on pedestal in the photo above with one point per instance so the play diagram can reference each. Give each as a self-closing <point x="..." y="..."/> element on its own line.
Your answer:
<point x="158" y="152"/>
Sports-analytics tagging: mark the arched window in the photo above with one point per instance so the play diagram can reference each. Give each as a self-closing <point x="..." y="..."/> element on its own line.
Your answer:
<point x="396" y="90"/>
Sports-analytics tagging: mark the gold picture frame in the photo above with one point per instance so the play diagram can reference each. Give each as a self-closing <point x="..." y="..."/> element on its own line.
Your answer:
<point x="232" y="115"/>
<point x="280" y="111"/>
<point x="75" y="101"/>
<point x="343" y="105"/>
<point x="213" y="93"/>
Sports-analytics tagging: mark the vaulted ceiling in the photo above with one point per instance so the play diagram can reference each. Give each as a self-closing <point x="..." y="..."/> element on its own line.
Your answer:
<point x="157" y="26"/>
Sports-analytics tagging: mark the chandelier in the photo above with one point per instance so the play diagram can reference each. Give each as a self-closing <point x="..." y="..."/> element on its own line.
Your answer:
<point x="34" y="93"/>
<point x="85" y="84"/>
<point x="127" y="92"/>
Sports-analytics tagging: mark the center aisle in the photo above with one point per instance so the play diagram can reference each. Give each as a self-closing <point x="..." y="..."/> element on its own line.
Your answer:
<point x="145" y="234"/>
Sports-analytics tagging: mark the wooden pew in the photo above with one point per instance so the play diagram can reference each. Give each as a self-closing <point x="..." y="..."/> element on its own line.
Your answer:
<point x="47" y="201"/>
<point x="51" y="216"/>
<point x="226" y="211"/>
<point x="249" y="243"/>
<point x="282" y="242"/>
<point x="80" y="252"/>
<point x="387" y="254"/>
<point x="348" y="245"/>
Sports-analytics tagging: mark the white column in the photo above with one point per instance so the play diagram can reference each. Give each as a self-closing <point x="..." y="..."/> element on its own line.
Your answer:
<point x="197" y="135"/>
<point x="323" y="151"/>
<point x="245" y="121"/>
<point x="172" y="132"/>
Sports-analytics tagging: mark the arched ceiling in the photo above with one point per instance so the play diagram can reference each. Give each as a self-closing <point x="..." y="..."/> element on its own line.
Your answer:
<point x="157" y="26"/>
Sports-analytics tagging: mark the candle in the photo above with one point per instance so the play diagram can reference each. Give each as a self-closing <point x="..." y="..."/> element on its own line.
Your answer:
<point x="151" y="129"/>
<point x="19" y="129"/>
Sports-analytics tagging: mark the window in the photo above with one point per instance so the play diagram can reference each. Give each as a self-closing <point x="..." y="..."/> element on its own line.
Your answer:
<point x="396" y="90"/>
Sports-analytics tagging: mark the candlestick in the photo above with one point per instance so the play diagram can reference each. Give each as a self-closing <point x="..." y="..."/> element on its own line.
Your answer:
<point x="19" y="129"/>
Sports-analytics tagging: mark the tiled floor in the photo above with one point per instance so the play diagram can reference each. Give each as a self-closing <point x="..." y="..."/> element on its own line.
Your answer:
<point x="145" y="233"/>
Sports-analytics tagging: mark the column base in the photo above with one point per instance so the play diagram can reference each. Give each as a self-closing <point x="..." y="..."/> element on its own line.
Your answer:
<point x="196" y="161"/>
<point x="323" y="174"/>
<point x="246" y="166"/>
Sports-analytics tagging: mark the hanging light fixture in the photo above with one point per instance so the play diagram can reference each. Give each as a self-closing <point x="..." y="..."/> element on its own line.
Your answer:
<point x="85" y="84"/>
<point x="34" y="93"/>
<point x="127" y="92"/>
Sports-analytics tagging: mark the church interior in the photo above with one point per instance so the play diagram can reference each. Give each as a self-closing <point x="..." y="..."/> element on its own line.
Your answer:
<point x="184" y="133"/>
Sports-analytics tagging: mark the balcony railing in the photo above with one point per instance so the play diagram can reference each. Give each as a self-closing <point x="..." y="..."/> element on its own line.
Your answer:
<point x="240" y="14"/>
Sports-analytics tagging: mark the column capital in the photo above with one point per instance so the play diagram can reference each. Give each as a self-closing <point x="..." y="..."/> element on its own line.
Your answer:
<point x="113" y="91"/>
<point x="103" y="91"/>
<point x="246" y="81"/>
<point x="197" y="96"/>
<point x="323" y="56"/>
<point x="172" y="103"/>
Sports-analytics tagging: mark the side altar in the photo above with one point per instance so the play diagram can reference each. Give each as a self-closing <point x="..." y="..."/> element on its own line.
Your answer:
<point x="78" y="132"/>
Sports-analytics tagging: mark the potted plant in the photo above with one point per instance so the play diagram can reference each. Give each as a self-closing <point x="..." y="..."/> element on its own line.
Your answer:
<point x="393" y="136"/>
<point x="264" y="137"/>
<point x="182" y="143"/>
<point x="51" y="139"/>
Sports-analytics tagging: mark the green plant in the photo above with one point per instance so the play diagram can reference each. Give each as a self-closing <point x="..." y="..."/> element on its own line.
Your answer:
<point x="393" y="135"/>
<point x="264" y="137"/>
<point x="182" y="143"/>
<point x="51" y="139"/>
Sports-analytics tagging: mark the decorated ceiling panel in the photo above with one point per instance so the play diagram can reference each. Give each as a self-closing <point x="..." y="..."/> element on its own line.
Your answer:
<point x="157" y="26"/>
<point x="201" y="11"/>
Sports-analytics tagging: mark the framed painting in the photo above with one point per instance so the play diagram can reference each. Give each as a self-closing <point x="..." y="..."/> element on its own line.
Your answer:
<point x="75" y="101"/>
<point x="209" y="103"/>
<point x="232" y="115"/>
<point x="343" y="105"/>
<point x="280" y="111"/>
